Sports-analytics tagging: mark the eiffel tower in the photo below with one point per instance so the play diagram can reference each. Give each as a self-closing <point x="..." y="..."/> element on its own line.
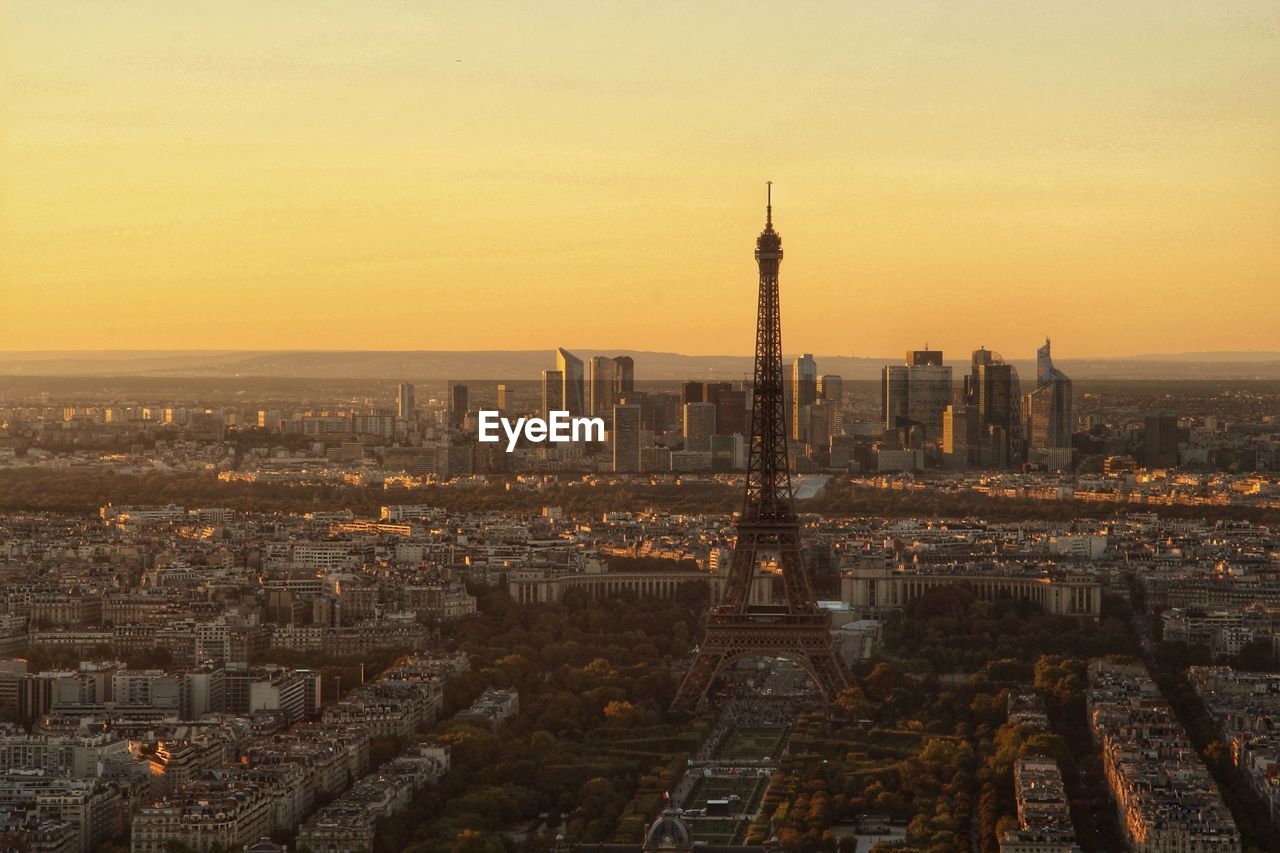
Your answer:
<point x="736" y="629"/>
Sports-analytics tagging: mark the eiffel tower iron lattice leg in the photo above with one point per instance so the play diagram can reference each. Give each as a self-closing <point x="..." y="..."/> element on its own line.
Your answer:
<point x="803" y="640"/>
<point x="737" y="629"/>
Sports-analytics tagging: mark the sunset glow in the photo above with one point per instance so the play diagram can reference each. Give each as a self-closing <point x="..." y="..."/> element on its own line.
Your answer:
<point x="400" y="175"/>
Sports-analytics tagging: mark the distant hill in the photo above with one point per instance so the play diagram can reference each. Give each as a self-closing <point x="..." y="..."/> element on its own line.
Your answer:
<point x="1238" y="357"/>
<point x="528" y="364"/>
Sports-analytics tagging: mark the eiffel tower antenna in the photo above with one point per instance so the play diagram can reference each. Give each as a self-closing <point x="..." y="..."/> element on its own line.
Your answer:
<point x="738" y="627"/>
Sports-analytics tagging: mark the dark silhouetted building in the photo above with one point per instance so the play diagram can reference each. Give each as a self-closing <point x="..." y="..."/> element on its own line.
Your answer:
<point x="1160" y="444"/>
<point x="626" y="438"/>
<point x="924" y="357"/>
<point x="459" y="401"/>
<point x="730" y="404"/>
<point x="731" y="411"/>
<point x="992" y="389"/>
<point x="666" y="412"/>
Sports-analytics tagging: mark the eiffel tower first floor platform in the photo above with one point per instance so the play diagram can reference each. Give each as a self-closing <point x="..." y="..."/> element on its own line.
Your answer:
<point x="801" y="638"/>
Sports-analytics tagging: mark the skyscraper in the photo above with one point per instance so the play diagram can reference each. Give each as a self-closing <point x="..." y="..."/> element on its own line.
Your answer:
<point x="459" y="401"/>
<point x="666" y="412"/>
<point x="404" y="402"/>
<point x="626" y="438"/>
<point x="728" y="453"/>
<point x="895" y="385"/>
<point x="731" y="405"/>
<point x="573" y="397"/>
<point x="992" y="388"/>
<point x="821" y="423"/>
<point x="916" y="393"/>
<point x="624" y="375"/>
<point x="804" y="391"/>
<point x="552" y="391"/>
<point x="711" y="391"/>
<point x="731" y="411"/>
<point x="699" y="425"/>
<point x="600" y="383"/>
<point x="1160" y="443"/>
<point x="994" y="384"/>
<point x="831" y="389"/>
<point x="959" y="437"/>
<point x="719" y="394"/>
<point x="645" y="402"/>
<point x="504" y="398"/>
<point x="1047" y="413"/>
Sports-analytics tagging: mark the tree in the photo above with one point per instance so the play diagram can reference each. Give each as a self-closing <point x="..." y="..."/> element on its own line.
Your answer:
<point x="620" y="713"/>
<point x="470" y="841"/>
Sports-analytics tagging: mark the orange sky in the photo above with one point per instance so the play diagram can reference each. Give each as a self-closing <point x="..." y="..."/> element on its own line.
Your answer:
<point x="390" y="174"/>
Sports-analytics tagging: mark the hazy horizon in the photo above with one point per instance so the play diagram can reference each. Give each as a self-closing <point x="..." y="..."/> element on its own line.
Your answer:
<point x="498" y="363"/>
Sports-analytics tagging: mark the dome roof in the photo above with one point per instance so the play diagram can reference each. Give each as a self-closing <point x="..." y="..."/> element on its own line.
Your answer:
<point x="668" y="832"/>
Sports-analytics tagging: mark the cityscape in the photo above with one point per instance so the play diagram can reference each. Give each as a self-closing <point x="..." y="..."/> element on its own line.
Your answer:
<point x="950" y="615"/>
<point x="417" y="435"/>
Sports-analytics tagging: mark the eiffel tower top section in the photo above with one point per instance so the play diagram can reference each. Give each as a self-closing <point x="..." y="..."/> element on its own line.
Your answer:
<point x="769" y="243"/>
<point x="768" y="497"/>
